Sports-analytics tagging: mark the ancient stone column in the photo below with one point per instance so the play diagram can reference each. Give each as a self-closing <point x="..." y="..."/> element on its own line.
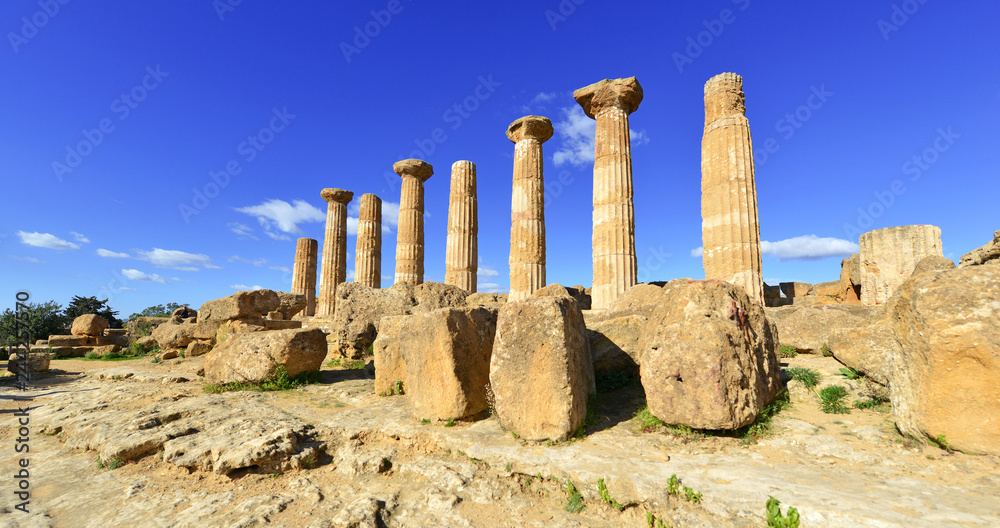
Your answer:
<point x="462" y="254"/>
<point x="889" y="255"/>
<point x="334" y="270"/>
<point x="610" y="102"/>
<point x="368" y="254"/>
<point x="304" y="274"/>
<point x="410" y="235"/>
<point x="527" y="206"/>
<point x="730" y="228"/>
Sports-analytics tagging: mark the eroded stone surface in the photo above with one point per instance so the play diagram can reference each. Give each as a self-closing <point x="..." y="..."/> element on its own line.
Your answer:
<point x="889" y="255"/>
<point x="527" y="208"/>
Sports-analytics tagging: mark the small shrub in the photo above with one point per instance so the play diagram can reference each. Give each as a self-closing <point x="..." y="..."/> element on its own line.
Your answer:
<point x="942" y="442"/>
<point x="156" y="360"/>
<point x="398" y="388"/>
<point x="808" y="377"/>
<point x="832" y="400"/>
<point x="849" y="373"/>
<point x="425" y="421"/>
<point x="334" y="362"/>
<point x="871" y="404"/>
<point x="786" y="351"/>
<point x="775" y="519"/>
<point x="673" y="485"/>
<point x="92" y="355"/>
<point x="574" y="501"/>
<point x="606" y="497"/>
<point x="761" y="425"/>
<point x="825" y="350"/>
<point x="647" y="420"/>
<point x="143" y="328"/>
<point x="691" y="495"/>
<point x="450" y="422"/>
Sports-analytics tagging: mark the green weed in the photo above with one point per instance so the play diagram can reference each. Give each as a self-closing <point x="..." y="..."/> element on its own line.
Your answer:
<point x="279" y="382"/>
<point x="775" y="519"/>
<point x="825" y="350"/>
<point x="606" y="497"/>
<point x="574" y="501"/>
<point x="786" y="351"/>
<point x="832" y="400"/>
<point x="808" y="377"/>
<point x="849" y="373"/>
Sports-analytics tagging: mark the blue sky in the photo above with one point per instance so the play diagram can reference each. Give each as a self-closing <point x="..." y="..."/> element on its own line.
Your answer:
<point x="172" y="151"/>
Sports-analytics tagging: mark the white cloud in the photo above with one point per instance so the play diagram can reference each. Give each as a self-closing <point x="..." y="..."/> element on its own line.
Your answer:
<point x="544" y="97"/>
<point x="698" y="252"/>
<point x="486" y="271"/>
<point x="576" y="135"/>
<point x="244" y="287"/>
<point x="174" y="259"/>
<point x="79" y="237"/>
<point x="136" y="275"/>
<point x="808" y="247"/>
<point x="491" y="287"/>
<point x="284" y="269"/>
<point x="111" y="254"/>
<point x="283" y="216"/>
<point x="237" y="258"/>
<point x="350" y="276"/>
<point x="45" y="240"/>
<point x="352" y="226"/>
<point x="242" y="231"/>
<point x="33" y="260"/>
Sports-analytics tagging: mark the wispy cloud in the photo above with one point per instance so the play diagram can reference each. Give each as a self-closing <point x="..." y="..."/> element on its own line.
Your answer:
<point x="45" y="240"/>
<point x="486" y="271"/>
<point x="698" y="252"/>
<point x="79" y="237"/>
<point x="174" y="259"/>
<point x="545" y="97"/>
<point x="33" y="260"/>
<point x="243" y="232"/>
<point x="491" y="287"/>
<point x="136" y="275"/>
<point x="806" y="247"/>
<point x="576" y="137"/>
<point x="244" y="287"/>
<point x="284" y="269"/>
<point x="111" y="254"/>
<point x="279" y="216"/>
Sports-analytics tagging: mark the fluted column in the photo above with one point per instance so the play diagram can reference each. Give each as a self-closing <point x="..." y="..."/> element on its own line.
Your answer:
<point x="462" y="254"/>
<point x="610" y="102"/>
<point x="368" y="254"/>
<point x="304" y="273"/>
<point x="334" y="248"/>
<point x="527" y="206"/>
<point x="730" y="226"/>
<point x="410" y="235"/>
<point x="889" y="255"/>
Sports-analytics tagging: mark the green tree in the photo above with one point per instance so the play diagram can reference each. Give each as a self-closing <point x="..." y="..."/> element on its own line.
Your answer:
<point x="92" y="305"/>
<point x="158" y="310"/>
<point x="44" y="319"/>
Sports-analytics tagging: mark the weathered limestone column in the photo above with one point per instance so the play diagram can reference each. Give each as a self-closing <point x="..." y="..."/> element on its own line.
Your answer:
<point x="334" y="269"/>
<point x="304" y="273"/>
<point x="462" y="254"/>
<point x="730" y="228"/>
<point x="610" y="102"/>
<point x="527" y="206"/>
<point x="410" y="235"/>
<point x="889" y="255"/>
<point x="368" y="253"/>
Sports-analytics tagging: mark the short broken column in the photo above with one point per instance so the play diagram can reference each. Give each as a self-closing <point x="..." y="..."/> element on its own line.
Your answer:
<point x="888" y="257"/>
<point x="368" y="253"/>
<point x="527" y="206"/>
<point x="462" y="254"/>
<point x="334" y="267"/>
<point x="410" y="235"/>
<point x="610" y="102"/>
<point x="304" y="273"/>
<point x="730" y="227"/>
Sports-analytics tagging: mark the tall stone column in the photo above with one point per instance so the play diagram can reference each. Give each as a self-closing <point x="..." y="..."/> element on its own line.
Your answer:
<point x="462" y="254"/>
<point x="527" y="206"/>
<point x="610" y="102"/>
<point x="730" y="228"/>
<point x="889" y="255"/>
<point x="368" y="254"/>
<point x="304" y="273"/>
<point x="410" y="235"/>
<point x="334" y="270"/>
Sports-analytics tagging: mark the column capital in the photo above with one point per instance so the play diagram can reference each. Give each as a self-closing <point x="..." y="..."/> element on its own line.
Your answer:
<point x="336" y="195"/>
<point x="625" y="94"/>
<point x="530" y="127"/>
<point x="418" y="169"/>
<point x="724" y="97"/>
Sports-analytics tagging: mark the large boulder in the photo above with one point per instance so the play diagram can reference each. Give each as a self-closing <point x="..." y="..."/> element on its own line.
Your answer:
<point x="359" y="309"/>
<point x="291" y="304"/>
<point x="795" y="289"/>
<point x="240" y="305"/>
<point x="615" y="331"/>
<point x="867" y="348"/>
<point x="390" y="367"/>
<point x="986" y="254"/>
<point x="34" y="361"/>
<point x="447" y="356"/>
<point x="179" y="315"/>
<point x="88" y="325"/>
<point x="255" y="357"/>
<point x="180" y="335"/>
<point x="850" y="279"/>
<point x="484" y="299"/>
<point x="541" y="372"/>
<point x="809" y="328"/>
<point x="708" y="360"/>
<point x="944" y="372"/>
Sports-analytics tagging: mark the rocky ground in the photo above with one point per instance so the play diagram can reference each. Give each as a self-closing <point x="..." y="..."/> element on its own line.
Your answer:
<point x="335" y="454"/>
